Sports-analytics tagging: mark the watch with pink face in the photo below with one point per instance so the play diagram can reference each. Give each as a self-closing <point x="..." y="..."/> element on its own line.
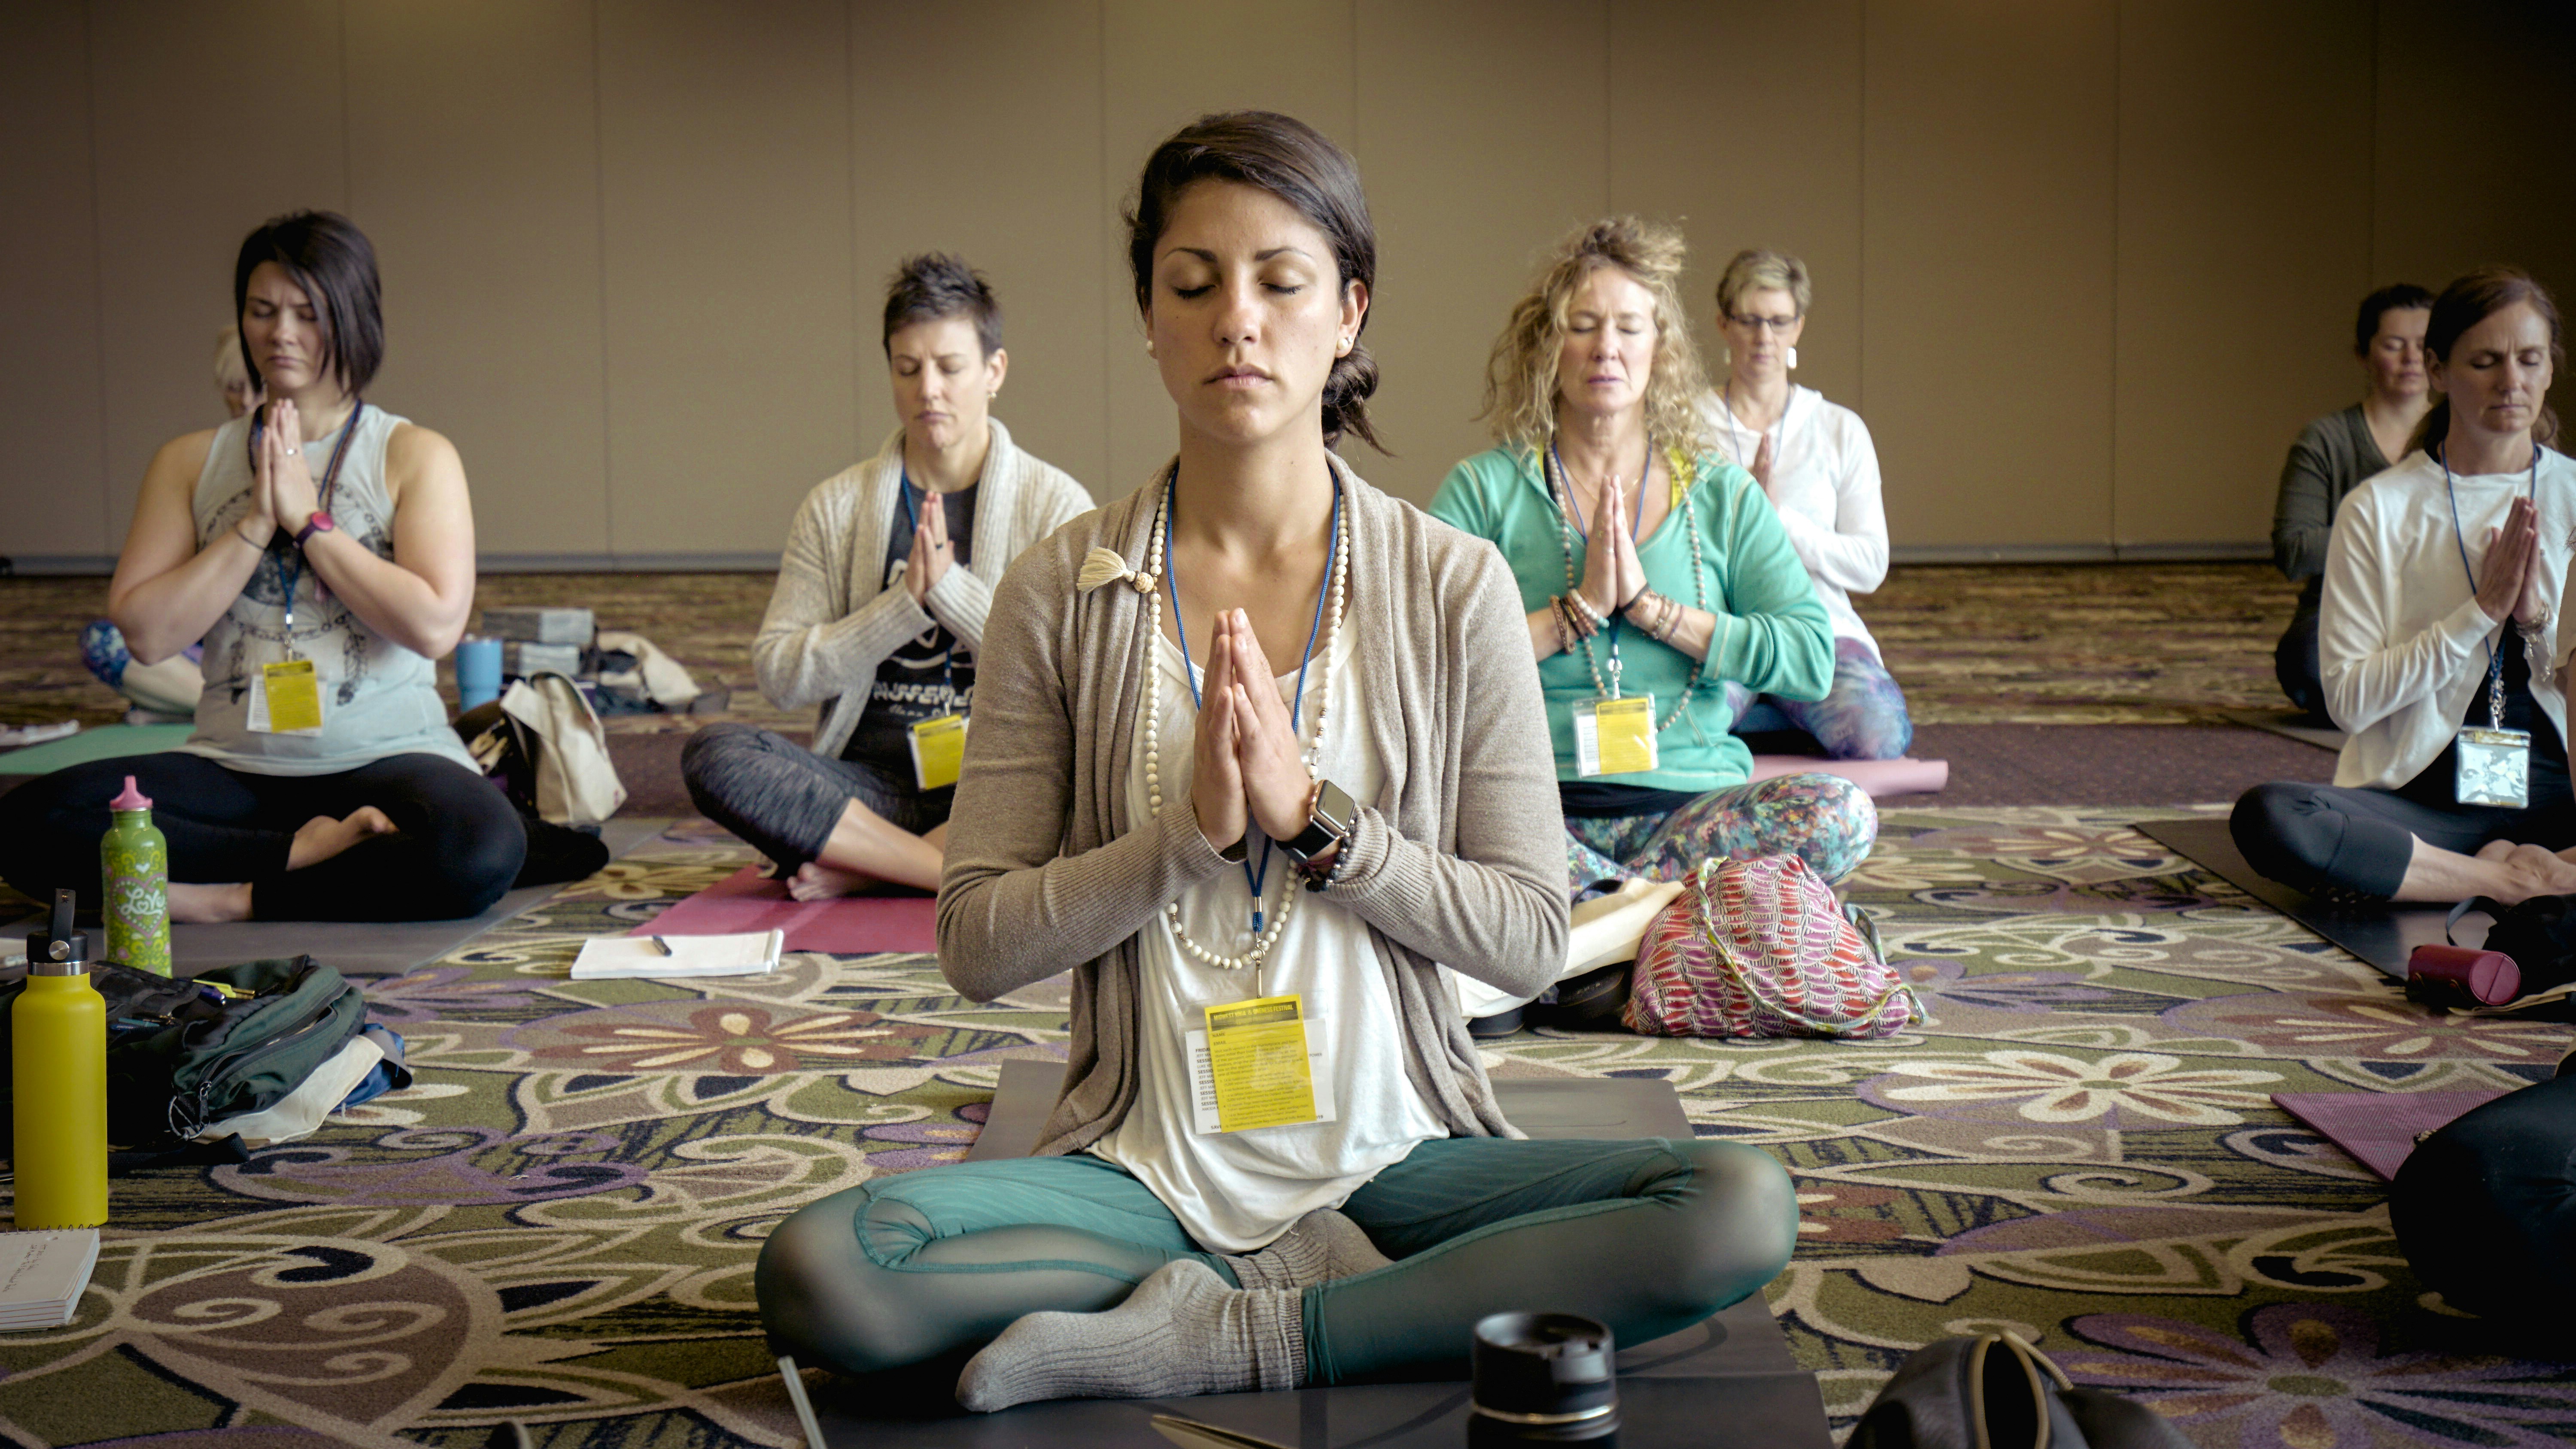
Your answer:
<point x="320" y="522"/>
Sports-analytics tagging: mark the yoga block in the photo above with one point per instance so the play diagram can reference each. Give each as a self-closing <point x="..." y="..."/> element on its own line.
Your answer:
<point x="540" y="626"/>
<point x="519" y="659"/>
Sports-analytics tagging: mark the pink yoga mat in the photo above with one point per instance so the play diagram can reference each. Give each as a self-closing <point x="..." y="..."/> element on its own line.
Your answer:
<point x="2380" y="1128"/>
<point x="848" y="926"/>
<point x="1907" y="776"/>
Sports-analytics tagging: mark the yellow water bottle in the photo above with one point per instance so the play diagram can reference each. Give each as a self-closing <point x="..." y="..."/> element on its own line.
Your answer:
<point x="58" y="1045"/>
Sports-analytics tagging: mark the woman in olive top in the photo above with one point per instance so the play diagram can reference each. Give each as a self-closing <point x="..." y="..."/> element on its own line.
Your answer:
<point x="2333" y="456"/>
<point x="1651" y="568"/>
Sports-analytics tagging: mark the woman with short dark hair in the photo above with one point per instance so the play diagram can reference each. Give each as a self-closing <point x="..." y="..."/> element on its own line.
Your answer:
<point x="2438" y="637"/>
<point x="2332" y="457"/>
<point x="1259" y="744"/>
<point x="324" y="551"/>
<point x="879" y="610"/>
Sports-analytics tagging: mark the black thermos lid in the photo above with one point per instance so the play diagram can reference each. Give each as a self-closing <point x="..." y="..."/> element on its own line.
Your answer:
<point x="1545" y="1365"/>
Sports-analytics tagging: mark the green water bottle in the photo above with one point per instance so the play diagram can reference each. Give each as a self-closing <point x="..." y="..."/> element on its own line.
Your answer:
<point x="58" y="1072"/>
<point x="134" y="864"/>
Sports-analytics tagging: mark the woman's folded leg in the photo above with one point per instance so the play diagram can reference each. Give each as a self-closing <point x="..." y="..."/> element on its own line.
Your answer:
<point x="1825" y="820"/>
<point x="213" y="819"/>
<point x="456" y="845"/>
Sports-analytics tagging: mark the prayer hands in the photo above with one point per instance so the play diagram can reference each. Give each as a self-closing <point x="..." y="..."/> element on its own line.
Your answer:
<point x="1612" y="577"/>
<point x="1246" y="768"/>
<point x="2509" y="576"/>
<point x="931" y="553"/>
<point x="284" y="476"/>
<point x="1760" y="467"/>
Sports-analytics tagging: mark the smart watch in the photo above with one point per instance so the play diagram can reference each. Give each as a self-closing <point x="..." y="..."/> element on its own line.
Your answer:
<point x="1328" y="823"/>
<point x="320" y="522"/>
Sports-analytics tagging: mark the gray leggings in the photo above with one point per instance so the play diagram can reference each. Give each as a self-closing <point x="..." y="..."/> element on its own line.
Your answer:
<point x="784" y="799"/>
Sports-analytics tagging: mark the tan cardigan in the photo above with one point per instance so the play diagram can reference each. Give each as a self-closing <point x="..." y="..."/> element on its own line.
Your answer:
<point x="832" y="620"/>
<point x="1460" y="860"/>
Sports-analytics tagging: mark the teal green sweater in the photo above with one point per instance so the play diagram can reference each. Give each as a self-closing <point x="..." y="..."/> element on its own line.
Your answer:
<point x="1771" y="634"/>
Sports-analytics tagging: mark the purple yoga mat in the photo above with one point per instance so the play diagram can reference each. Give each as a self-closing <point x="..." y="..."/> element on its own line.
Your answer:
<point x="847" y="926"/>
<point x="2380" y="1128"/>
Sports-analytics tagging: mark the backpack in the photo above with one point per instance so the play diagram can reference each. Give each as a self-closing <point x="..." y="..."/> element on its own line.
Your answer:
<point x="182" y="1054"/>
<point x="543" y="744"/>
<point x="1759" y="948"/>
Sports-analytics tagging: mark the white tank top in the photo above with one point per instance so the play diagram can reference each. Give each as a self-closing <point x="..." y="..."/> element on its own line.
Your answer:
<point x="379" y="699"/>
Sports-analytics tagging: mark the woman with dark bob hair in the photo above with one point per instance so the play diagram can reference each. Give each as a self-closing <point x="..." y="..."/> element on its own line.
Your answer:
<point x="880" y="606"/>
<point x="2438" y="638"/>
<point x="323" y="549"/>
<point x="1258" y="747"/>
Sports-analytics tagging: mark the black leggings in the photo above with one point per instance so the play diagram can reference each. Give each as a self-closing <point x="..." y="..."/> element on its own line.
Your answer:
<point x="2321" y="837"/>
<point x="2486" y="1208"/>
<point x="784" y="799"/>
<point x="457" y="847"/>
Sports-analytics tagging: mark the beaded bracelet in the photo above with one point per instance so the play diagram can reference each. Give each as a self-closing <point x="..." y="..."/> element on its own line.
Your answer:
<point x="1556" y="616"/>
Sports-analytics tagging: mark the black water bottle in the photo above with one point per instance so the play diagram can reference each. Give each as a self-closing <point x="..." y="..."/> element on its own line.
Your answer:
<point x="1544" y="1378"/>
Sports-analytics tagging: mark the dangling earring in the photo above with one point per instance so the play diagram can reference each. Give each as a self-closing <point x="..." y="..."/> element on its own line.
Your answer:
<point x="1726" y="357"/>
<point x="1793" y="359"/>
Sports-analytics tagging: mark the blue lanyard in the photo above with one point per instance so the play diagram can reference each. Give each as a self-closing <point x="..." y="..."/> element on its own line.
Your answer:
<point x="912" y="523"/>
<point x="2495" y="654"/>
<point x="1252" y="876"/>
<point x="1635" y="526"/>
<point x="330" y="482"/>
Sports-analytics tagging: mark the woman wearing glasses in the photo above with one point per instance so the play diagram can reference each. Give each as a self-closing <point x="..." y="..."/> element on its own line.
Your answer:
<point x="1651" y="571"/>
<point x="1815" y="460"/>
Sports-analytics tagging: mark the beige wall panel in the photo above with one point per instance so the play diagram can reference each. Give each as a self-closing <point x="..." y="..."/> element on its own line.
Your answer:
<point x="181" y="179"/>
<point x="53" y="498"/>
<point x="1483" y="144"/>
<point x="2473" y="141"/>
<point x="474" y="166"/>
<point x="1741" y="119"/>
<point x="1987" y="267"/>
<point x="732" y="342"/>
<point x="1164" y="64"/>
<point x="1013" y="185"/>
<point x="2244" y="245"/>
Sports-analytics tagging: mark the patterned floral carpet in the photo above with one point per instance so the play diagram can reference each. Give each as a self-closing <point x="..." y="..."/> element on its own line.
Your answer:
<point x="557" y="1224"/>
<point x="2026" y="644"/>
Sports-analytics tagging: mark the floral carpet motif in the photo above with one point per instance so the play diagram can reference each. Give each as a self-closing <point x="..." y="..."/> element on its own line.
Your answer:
<point x="556" y="1225"/>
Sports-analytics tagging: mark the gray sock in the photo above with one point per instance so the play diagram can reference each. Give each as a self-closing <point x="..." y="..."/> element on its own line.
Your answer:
<point x="1181" y="1332"/>
<point x="1323" y="1246"/>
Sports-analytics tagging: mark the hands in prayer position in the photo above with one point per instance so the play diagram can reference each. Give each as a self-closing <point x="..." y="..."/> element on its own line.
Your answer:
<point x="1611" y="574"/>
<point x="1245" y="766"/>
<point x="1760" y="467"/>
<point x="2509" y="577"/>
<point x="931" y="553"/>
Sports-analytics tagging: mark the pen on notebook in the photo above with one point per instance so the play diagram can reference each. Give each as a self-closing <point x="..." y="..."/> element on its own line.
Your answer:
<point x="660" y="945"/>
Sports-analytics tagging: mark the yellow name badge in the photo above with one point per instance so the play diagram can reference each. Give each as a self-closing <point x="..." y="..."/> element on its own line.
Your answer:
<point x="1615" y="736"/>
<point x="1258" y="1068"/>
<point x="285" y="699"/>
<point x="938" y="751"/>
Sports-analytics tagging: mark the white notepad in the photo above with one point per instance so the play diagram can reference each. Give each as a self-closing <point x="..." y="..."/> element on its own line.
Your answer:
<point x="746" y="954"/>
<point x="42" y="1276"/>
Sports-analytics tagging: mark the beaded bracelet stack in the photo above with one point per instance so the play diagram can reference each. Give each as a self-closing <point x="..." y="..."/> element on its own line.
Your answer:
<point x="1662" y="615"/>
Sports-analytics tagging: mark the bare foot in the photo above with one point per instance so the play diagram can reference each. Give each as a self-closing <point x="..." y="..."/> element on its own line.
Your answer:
<point x="209" y="905"/>
<point x="815" y="881"/>
<point x="2528" y="870"/>
<point x="323" y="837"/>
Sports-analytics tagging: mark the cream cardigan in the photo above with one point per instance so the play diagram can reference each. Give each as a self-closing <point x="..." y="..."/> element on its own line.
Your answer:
<point x="1460" y="859"/>
<point x="832" y="621"/>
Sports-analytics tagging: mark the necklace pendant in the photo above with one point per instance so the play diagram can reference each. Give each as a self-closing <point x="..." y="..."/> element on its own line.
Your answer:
<point x="1256" y="920"/>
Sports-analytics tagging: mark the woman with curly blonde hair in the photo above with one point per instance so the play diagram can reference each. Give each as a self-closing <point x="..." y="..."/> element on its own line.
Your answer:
<point x="1653" y="571"/>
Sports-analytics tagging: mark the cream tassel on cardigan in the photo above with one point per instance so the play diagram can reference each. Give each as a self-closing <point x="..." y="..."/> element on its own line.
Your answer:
<point x="1106" y="566"/>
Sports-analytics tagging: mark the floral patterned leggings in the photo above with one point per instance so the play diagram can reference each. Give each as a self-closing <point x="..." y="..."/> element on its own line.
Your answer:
<point x="1862" y="717"/>
<point x="1824" y="820"/>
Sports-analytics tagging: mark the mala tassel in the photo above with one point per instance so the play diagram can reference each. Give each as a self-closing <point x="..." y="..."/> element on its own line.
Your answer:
<point x="1105" y="566"/>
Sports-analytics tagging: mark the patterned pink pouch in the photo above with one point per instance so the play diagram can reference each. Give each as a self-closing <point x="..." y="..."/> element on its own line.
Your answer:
<point x="1760" y="948"/>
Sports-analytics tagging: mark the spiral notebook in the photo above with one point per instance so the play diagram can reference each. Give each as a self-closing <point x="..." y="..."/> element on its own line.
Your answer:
<point x="42" y="1276"/>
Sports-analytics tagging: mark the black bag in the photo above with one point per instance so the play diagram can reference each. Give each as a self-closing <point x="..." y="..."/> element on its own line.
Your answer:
<point x="1990" y="1392"/>
<point x="183" y="1054"/>
<point x="506" y="751"/>
<point x="2539" y="934"/>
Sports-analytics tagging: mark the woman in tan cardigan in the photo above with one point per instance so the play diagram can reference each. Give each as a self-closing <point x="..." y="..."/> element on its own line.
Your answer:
<point x="1259" y="747"/>
<point x="879" y="610"/>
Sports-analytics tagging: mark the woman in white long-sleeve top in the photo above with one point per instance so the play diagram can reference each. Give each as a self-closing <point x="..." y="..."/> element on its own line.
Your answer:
<point x="2438" y="639"/>
<point x="879" y="610"/>
<point x="1815" y="461"/>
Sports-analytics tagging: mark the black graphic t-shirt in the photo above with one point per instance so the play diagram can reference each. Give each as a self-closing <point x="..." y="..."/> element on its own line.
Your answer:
<point x="932" y="674"/>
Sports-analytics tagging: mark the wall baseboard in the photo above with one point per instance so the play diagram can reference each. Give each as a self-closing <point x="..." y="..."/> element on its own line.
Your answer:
<point x="627" y="563"/>
<point x="2068" y="553"/>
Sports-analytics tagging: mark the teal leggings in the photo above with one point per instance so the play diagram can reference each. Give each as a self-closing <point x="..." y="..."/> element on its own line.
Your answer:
<point x="1648" y="1236"/>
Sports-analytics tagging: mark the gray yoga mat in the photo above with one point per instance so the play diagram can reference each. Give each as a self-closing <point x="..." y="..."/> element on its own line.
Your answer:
<point x="1728" y="1382"/>
<point x="2383" y="934"/>
<point x="364" y="948"/>
<point x="2289" y="724"/>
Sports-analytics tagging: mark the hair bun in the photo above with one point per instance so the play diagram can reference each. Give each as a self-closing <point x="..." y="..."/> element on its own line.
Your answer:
<point x="1346" y="395"/>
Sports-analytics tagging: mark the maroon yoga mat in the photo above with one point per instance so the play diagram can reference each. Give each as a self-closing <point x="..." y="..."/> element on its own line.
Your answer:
<point x="846" y="926"/>
<point x="2380" y="1128"/>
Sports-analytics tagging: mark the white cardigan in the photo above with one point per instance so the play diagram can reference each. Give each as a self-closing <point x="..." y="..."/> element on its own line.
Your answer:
<point x="2402" y="641"/>
<point x="1824" y="486"/>
<point x="832" y="621"/>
